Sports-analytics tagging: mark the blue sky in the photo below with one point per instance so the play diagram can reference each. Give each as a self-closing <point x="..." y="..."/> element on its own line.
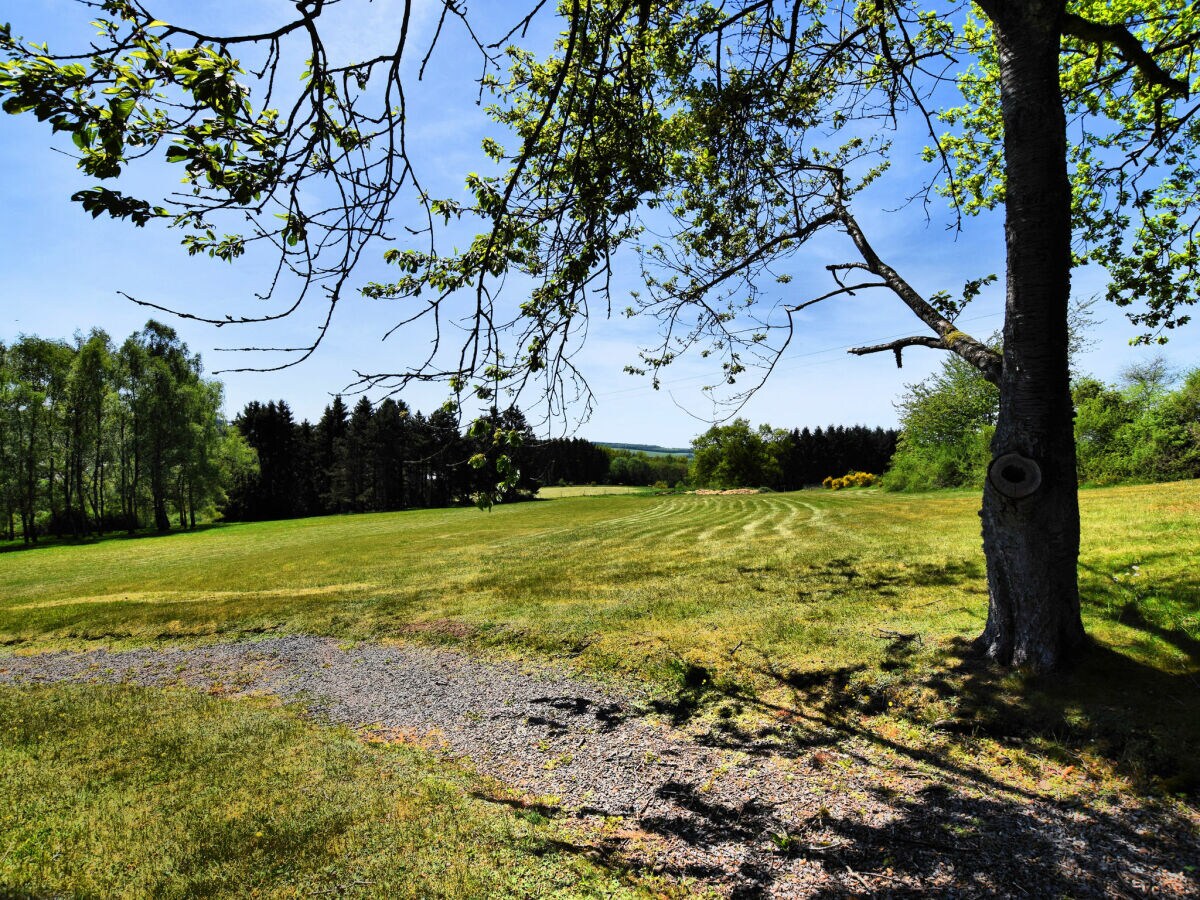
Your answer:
<point x="62" y="272"/>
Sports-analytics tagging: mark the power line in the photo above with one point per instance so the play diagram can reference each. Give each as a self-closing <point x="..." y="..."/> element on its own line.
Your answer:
<point x="779" y="368"/>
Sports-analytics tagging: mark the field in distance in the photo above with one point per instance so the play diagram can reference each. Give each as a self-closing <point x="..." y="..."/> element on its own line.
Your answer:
<point x="557" y="492"/>
<point x="649" y="449"/>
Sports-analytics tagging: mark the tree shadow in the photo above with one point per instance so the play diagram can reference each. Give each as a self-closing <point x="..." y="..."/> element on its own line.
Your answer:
<point x="953" y="820"/>
<point x="49" y="542"/>
<point x="1123" y="597"/>
<point x="951" y="573"/>
<point x="606" y="715"/>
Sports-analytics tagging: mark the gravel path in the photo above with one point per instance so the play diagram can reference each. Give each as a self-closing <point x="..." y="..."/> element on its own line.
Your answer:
<point x="837" y="814"/>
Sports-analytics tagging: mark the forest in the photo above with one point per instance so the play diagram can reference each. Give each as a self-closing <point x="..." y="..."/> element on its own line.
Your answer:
<point x="373" y="458"/>
<point x="96" y="437"/>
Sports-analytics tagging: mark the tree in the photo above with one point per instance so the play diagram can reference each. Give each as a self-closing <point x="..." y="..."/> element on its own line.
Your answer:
<point x="948" y="421"/>
<point x="37" y="370"/>
<point x="237" y="461"/>
<point x="10" y="489"/>
<point x="736" y="130"/>
<point x="389" y="441"/>
<point x="505" y="476"/>
<point x="1141" y="431"/>
<point x="163" y="379"/>
<point x="331" y="457"/>
<point x="274" y="488"/>
<point x="1182" y="411"/>
<point x="88" y="390"/>
<point x="733" y="455"/>
<point x="358" y="456"/>
<point x="203" y="441"/>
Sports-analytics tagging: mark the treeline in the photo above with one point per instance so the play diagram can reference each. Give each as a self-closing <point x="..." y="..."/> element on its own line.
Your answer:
<point x="634" y="467"/>
<point x="1144" y="428"/>
<point x="97" y="438"/>
<point x="736" y="455"/>
<point x="386" y="456"/>
<point x="372" y="458"/>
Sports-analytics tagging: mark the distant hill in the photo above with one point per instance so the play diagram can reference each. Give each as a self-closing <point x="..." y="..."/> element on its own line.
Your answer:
<point x="648" y="449"/>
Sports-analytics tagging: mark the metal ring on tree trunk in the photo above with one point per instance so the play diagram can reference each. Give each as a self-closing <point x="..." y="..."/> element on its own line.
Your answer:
<point x="1015" y="476"/>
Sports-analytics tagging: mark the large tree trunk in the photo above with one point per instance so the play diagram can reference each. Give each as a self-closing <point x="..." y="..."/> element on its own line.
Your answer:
<point x="1030" y="501"/>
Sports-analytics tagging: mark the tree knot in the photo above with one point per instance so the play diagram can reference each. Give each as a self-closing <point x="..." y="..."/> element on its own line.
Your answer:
<point x="1015" y="476"/>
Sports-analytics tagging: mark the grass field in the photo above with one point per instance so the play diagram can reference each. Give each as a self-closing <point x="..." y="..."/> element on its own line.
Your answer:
<point x="855" y="606"/>
<point x="806" y="579"/>
<point x="174" y="794"/>
<point x="555" y="492"/>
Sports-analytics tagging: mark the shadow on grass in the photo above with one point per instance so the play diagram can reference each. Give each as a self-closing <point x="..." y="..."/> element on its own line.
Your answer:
<point x="1126" y="597"/>
<point x="951" y="573"/>
<point x="46" y="543"/>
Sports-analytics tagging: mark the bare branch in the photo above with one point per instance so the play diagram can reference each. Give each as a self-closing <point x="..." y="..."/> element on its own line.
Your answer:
<point x="849" y="289"/>
<point x="898" y="346"/>
<point x="978" y="354"/>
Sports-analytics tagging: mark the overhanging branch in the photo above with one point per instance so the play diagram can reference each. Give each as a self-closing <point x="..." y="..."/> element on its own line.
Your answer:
<point x="898" y="346"/>
<point x="1131" y="48"/>
<point x="978" y="354"/>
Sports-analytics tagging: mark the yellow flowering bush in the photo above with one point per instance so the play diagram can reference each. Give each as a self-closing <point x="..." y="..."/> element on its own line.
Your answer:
<point x="851" y="479"/>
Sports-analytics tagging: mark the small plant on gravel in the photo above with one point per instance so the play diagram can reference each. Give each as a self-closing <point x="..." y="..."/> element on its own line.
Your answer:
<point x="783" y="841"/>
<point x="556" y="762"/>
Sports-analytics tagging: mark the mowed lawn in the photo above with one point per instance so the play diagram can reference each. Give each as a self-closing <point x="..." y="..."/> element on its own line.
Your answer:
<point x="616" y="583"/>
<point x="122" y="792"/>
<point x="850" y="612"/>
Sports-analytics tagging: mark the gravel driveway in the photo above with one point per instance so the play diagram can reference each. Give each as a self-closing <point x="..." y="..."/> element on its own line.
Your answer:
<point x="837" y="814"/>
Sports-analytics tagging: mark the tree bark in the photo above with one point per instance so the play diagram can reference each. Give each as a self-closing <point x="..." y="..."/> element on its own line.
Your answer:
<point x="158" y="487"/>
<point x="1030" y="503"/>
<point x="29" y="493"/>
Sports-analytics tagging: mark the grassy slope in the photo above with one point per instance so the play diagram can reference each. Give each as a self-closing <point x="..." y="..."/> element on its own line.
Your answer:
<point x="804" y="578"/>
<point x="787" y="597"/>
<point x="126" y="792"/>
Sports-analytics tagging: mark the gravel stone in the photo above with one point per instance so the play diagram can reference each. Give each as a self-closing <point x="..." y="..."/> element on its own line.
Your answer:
<point x="737" y="818"/>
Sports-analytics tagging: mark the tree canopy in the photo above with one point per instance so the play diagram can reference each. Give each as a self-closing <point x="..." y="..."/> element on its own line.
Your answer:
<point x="97" y="438"/>
<point x="741" y="130"/>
